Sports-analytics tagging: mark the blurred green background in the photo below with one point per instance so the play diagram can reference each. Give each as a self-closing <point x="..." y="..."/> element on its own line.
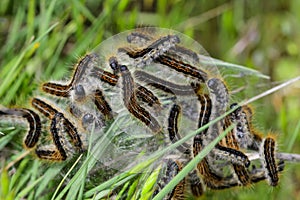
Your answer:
<point x="41" y="40"/>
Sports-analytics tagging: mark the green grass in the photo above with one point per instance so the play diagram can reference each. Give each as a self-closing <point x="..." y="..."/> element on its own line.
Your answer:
<point x="41" y="40"/>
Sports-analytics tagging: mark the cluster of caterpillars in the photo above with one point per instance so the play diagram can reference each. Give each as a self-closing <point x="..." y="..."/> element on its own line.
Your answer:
<point x="142" y="92"/>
